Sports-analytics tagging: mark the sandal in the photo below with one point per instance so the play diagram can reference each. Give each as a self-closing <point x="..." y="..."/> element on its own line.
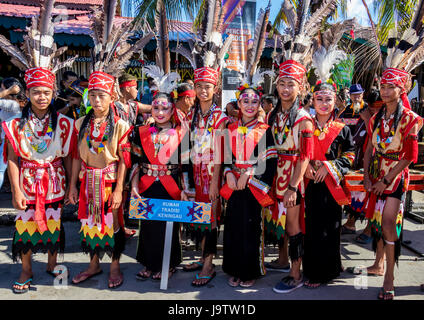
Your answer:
<point x="347" y="230"/>
<point x="86" y="275"/>
<point x="359" y="270"/>
<point x="247" y="284"/>
<point x="386" y="295"/>
<point x="143" y="275"/>
<point x="363" y="239"/>
<point x="198" y="266"/>
<point x="25" y="286"/>
<point x="158" y="276"/>
<point x="312" y="285"/>
<point x="233" y="282"/>
<point x="209" y="279"/>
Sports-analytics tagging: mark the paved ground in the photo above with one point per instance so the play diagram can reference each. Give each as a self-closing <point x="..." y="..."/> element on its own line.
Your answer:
<point x="348" y="287"/>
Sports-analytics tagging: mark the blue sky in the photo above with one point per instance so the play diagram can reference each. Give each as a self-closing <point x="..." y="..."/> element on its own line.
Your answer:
<point x="355" y="9"/>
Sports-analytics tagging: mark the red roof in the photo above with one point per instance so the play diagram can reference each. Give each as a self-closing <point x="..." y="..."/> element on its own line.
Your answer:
<point x="21" y="11"/>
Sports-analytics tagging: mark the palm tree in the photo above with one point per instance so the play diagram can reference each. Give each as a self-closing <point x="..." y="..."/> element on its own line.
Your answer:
<point x="391" y="14"/>
<point x="315" y="4"/>
<point x="175" y="9"/>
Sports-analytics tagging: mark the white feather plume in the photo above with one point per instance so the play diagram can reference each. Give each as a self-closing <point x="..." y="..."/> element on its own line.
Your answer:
<point x="324" y="60"/>
<point x="163" y="82"/>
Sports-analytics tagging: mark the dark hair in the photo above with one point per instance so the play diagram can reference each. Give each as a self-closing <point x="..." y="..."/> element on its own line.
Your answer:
<point x="325" y="86"/>
<point x="110" y="119"/>
<point x="72" y="93"/>
<point x="278" y="107"/>
<point x="374" y="96"/>
<point x="307" y="99"/>
<point x="270" y="99"/>
<point x="397" y="115"/>
<point x="163" y="95"/>
<point x="68" y="74"/>
<point x="25" y="116"/>
<point x="10" y="82"/>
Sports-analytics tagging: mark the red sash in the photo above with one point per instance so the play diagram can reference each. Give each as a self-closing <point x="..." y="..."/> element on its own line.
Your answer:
<point x="263" y="198"/>
<point x="321" y="146"/>
<point x="164" y="153"/>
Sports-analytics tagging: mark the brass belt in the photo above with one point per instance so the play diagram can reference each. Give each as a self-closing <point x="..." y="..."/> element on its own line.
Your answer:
<point x="159" y="170"/>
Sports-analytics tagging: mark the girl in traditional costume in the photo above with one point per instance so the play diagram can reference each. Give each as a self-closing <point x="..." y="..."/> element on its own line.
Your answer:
<point x="249" y="172"/>
<point x="38" y="147"/>
<point x="393" y="146"/>
<point x="104" y="152"/>
<point x="158" y="148"/>
<point x="158" y="169"/>
<point x="332" y="158"/>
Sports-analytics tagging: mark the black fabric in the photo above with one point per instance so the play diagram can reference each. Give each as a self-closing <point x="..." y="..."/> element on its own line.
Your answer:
<point x="322" y="259"/>
<point x="296" y="246"/>
<point x="242" y="236"/>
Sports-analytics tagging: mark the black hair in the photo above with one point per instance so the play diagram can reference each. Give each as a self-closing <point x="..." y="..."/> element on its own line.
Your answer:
<point x="270" y="99"/>
<point x="26" y="111"/>
<point x="72" y="93"/>
<point x="10" y="82"/>
<point x="110" y="119"/>
<point x="374" y="96"/>
<point x="68" y="74"/>
<point x="325" y="86"/>
<point x="307" y="98"/>
<point x="278" y="108"/>
<point x="397" y="115"/>
<point x="164" y="95"/>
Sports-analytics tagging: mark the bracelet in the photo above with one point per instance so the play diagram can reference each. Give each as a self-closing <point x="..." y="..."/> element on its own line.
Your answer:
<point x="292" y="188"/>
<point x="387" y="183"/>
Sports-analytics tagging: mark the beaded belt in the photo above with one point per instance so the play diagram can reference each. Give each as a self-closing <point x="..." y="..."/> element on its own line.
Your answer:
<point x="240" y="170"/>
<point x="389" y="156"/>
<point x="288" y="153"/>
<point x="156" y="170"/>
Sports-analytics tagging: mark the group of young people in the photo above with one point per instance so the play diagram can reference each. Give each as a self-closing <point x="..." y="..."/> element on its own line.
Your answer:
<point x="275" y="175"/>
<point x="291" y="164"/>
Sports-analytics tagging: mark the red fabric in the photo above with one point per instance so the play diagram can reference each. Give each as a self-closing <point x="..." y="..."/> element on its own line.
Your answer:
<point x="411" y="149"/>
<point x="307" y="147"/>
<point x="188" y="93"/>
<point x="39" y="77"/>
<point x="132" y="83"/>
<point x="399" y="78"/>
<point x="126" y="147"/>
<point x="101" y="81"/>
<point x="292" y="69"/>
<point x="206" y="74"/>
<point x="74" y="144"/>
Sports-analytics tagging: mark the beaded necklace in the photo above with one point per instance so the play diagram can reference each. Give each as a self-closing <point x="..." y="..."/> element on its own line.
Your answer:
<point x="40" y="143"/>
<point x="97" y="134"/>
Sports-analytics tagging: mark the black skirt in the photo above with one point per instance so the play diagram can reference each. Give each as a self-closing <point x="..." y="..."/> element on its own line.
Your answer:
<point x="243" y="237"/>
<point x="322" y="259"/>
<point x="151" y="241"/>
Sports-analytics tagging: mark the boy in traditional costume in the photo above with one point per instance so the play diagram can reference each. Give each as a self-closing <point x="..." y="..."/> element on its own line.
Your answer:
<point x="38" y="148"/>
<point x="393" y="146"/>
<point x="104" y="151"/>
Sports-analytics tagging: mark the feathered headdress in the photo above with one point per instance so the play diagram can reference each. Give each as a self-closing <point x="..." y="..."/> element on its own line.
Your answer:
<point x="297" y="41"/>
<point x="405" y="54"/>
<point x="112" y="52"/>
<point x="208" y="49"/>
<point x="39" y="57"/>
<point x="163" y="79"/>
<point x="251" y="77"/>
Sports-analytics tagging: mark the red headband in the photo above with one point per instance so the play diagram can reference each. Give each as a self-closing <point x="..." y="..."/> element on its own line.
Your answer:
<point x="292" y="69"/>
<point x="39" y="77"/>
<point x="101" y="81"/>
<point x="188" y="93"/>
<point x="131" y="83"/>
<point x="399" y="78"/>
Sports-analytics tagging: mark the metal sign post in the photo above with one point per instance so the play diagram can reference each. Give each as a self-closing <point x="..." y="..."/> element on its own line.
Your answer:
<point x="166" y="256"/>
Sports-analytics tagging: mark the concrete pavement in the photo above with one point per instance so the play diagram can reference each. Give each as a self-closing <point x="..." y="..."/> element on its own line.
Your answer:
<point x="409" y="275"/>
